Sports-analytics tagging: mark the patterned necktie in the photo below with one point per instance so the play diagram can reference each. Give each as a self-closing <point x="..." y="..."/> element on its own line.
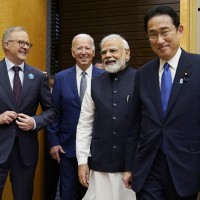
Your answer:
<point x="17" y="86"/>
<point x="166" y="85"/>
<point x="83" y="85"/>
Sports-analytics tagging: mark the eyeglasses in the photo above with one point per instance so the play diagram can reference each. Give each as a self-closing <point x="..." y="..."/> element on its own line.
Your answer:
<point x="22" y="43"/>
<point x="163" y="34"/>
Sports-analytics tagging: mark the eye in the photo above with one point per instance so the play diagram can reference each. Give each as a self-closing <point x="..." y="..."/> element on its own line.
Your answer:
<point x="113" y="51"/>
<point x="103" y="52"/>
<point x="79" y="48"/>
<point x="153" y="35"/>
<point x="21" y="42"/>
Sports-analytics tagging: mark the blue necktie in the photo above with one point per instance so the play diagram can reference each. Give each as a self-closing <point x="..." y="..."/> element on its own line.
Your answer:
<point x="83" y="85"/>
<point x="166" y="85"/>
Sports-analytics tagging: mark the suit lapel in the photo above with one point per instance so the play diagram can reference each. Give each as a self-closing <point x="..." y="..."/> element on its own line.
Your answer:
<point x="5" y="81"/>
<point x="27" y="83"/>
<point x="184" y="66"/>
<point x="95" y="72"/>
<point x="71" y="77"/>
<point x="153" y="87"/>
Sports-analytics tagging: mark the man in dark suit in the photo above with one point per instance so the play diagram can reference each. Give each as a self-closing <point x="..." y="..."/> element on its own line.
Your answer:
<point x="19" y="123"/>
<point x="67" y="97"/>
<point x="166" y="116"/>
<point x="102" y="127"/>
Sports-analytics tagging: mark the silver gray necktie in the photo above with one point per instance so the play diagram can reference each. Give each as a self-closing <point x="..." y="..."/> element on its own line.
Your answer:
<point x="83" y="85"/>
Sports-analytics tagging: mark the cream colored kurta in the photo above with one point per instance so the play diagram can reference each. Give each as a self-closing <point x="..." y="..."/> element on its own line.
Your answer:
<point x="108" y="186"/>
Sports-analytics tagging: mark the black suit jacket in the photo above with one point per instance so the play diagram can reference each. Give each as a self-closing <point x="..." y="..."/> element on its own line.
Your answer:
<point x="180" y="128"/>
<point x="34" y="92"/>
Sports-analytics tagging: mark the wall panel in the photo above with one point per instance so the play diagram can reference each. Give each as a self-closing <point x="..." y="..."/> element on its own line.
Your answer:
<point x="31" y="15"/>
<point x="100" y="18"/>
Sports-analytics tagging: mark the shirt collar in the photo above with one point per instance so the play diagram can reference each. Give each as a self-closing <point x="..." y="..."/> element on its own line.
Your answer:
<point x="88" y="70"/>
<point x="173" y="62"/>
<point x="9" y="64"/>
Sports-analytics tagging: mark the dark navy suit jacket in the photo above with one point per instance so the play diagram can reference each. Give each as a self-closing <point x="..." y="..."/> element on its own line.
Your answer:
<point x="67" y="101"/>
<point x="180" y="128"/>
<point x="34" y="92"/>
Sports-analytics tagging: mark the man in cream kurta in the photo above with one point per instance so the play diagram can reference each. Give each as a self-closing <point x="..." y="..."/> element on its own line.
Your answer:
<point x="103" y="124"/>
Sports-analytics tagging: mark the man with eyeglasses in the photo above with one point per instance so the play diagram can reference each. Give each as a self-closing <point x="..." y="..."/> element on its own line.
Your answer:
<point x="163" y="145"/>
<point x="103" y="123"/>
<point x="22" y="89"/>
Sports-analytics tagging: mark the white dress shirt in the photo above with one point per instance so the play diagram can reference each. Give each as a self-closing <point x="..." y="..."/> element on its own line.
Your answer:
<point x="173" y="64"/>
<point x="11" y="72"/>
<point x="79" y="76"/>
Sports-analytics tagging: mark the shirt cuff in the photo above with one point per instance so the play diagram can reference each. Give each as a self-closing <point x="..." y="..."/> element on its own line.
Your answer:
<point x="82" y="161"/>
<point x="34" y="126"/>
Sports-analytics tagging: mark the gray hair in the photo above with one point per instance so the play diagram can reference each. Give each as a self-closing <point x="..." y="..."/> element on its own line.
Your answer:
<point x="115" y="37"/>
<point x="86" y="36"/>
<point x="8" y="32"/>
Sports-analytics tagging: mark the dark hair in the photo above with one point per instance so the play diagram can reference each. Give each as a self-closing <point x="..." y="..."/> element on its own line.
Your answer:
<point x="161" y="10"/>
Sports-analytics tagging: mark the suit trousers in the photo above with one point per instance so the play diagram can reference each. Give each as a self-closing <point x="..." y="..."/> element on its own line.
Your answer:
<point x="159" y="184"/>
<point x="51" y="173"/>
<point x="21" y="176"/>
<point x="71" y="189"/>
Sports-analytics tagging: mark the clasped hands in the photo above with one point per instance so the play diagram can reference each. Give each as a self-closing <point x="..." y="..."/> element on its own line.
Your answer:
<point x="23" y="121"/>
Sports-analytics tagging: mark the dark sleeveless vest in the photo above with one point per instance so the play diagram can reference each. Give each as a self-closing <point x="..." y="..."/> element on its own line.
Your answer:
<point x="112" y="95"/>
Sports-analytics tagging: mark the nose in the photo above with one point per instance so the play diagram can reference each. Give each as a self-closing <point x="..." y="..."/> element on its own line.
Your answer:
<point x="160" y="38"/>
<point x="83" y="51"/>
<point x="108" y="54"/>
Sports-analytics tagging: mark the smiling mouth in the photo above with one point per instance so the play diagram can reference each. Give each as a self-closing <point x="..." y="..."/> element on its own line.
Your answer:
<point x="110" y="62"/>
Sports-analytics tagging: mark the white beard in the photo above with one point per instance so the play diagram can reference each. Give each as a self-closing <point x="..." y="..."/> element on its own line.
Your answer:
<point x="114" y="68"/>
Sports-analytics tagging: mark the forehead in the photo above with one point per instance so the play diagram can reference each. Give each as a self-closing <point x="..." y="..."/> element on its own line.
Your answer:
<point x="112" y="43"/>
<point x="82" y="41"/>
<point x="160" y="22"/>
<point x="19" y="34"/>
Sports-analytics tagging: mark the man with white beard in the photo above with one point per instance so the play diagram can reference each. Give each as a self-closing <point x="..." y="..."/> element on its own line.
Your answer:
<point x="103" y="124"/>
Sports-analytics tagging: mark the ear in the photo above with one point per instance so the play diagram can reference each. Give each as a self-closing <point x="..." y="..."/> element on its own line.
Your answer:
<point x="93" y="53"/>
<point x="6" y="45"/>
<point x="72" y="53"/>
<point x="180" y="30"/>
<point x="127" y="55"/>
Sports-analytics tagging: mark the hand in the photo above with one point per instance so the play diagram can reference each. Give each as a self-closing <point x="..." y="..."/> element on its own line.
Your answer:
<point x="127" y="179"/>
<point x="83" y="174"/>
<point x="55" y="152"/>
<point x="7" y="117"/>
<point x="25" y="122"/>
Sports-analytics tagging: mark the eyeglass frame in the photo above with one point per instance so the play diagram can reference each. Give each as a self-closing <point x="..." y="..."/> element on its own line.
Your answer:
<point x="22" y="43"/>
<point x="164" y="34"/>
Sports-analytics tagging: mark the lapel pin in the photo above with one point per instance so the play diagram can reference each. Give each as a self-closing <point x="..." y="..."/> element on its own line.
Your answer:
<point x="181" y="81"/>
<point x="31" y="76"/>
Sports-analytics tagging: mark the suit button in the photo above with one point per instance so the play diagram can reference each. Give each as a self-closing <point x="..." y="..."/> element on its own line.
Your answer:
<point x="163" y="129"/>
<point x="114" y="147"/>
<point x="114" y="117"/>
<point x="116" y="79"/>
<point x="115" y="91"/>
<point x="115" y="104"/>
<point x="114" y="133"/>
